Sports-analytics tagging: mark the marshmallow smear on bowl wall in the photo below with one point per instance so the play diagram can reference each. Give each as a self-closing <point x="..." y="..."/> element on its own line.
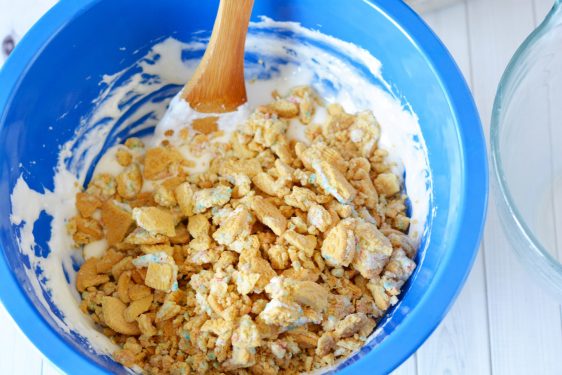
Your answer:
<point x="401" y="136"/>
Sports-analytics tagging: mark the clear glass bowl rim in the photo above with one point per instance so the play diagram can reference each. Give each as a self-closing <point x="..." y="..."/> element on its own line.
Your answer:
<point x="540" y="255"/>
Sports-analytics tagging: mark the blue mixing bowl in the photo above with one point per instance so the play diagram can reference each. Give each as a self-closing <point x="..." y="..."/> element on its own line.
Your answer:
<point x="46" y="76"/>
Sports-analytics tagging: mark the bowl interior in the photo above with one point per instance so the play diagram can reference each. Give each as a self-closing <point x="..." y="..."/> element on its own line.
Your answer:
<point x="63" y="76"/>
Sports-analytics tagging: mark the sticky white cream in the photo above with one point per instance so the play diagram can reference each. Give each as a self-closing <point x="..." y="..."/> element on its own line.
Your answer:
<point x="278" y="62"/>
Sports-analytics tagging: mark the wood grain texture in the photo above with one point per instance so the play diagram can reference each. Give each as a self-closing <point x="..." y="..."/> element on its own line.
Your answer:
<point x="460" y="344"/>
<point x="409" y="367"/>
<point x="524" y="332"/>
<point x="17" y="353"/>
<point x="218" y="84"/>
<point x="521" y="341"/>
<point x="49" y="369"/>
<point x="553" y="115"/>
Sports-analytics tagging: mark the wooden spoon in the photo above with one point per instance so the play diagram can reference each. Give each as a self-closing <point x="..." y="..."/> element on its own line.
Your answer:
<point x="218" y="83"/>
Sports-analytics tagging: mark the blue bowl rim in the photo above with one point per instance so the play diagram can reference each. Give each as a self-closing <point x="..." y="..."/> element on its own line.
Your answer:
<point x="451" y="274"/>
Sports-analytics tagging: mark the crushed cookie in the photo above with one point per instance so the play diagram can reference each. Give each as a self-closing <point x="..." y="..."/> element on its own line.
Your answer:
<point x="280" y="258"/>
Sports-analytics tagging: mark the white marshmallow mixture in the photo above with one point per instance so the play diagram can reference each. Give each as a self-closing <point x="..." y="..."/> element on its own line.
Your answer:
<point x="281" y="63"/>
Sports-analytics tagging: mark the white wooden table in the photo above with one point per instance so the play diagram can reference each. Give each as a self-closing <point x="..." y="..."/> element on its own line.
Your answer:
<point x="502" y="323"/>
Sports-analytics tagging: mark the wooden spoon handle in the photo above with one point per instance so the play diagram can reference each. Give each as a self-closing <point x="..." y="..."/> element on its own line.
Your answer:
<point x="218" y="83"/>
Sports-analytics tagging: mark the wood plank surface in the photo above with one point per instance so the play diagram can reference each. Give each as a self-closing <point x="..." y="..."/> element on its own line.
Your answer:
<point x="525" y="330"/>
<point x="461" y="343"/>
<point x="503" y="322"/>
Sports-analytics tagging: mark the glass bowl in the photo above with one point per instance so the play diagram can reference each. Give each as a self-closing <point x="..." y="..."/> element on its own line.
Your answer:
<point x="526" y="152"/>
